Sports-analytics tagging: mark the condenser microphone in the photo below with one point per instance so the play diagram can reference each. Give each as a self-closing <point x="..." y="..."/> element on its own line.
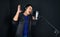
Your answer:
<point x="37" y="13"/>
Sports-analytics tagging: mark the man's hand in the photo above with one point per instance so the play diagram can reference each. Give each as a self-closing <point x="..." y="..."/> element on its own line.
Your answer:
<point x="17" y="13"/>
<point x="19" y="9"/>
<point x="33" y="18"/>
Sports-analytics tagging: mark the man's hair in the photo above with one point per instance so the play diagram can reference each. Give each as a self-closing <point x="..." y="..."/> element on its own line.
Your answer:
<point x="27" y="5"/>
<point x="24" y="8"/>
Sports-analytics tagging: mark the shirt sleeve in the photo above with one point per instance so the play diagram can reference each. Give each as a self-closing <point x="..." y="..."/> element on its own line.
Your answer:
<point x="14" y="23"/>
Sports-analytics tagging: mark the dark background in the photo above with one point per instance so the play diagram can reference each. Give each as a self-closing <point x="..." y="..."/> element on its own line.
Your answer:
<point x="47" y="8"/>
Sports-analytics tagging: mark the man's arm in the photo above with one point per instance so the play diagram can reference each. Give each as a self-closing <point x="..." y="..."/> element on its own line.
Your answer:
<point x="17" y="13"/>
<point x="15" y="18"/>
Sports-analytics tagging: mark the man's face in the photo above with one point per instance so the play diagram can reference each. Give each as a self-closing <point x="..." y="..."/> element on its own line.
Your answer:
<point x="29" y="10"/>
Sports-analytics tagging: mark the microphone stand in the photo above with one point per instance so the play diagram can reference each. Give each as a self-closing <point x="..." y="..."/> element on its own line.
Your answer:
<point x="56" y="30"/>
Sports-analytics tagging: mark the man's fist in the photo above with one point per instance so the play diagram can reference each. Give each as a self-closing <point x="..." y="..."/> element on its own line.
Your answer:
<point x="19" y="9"/>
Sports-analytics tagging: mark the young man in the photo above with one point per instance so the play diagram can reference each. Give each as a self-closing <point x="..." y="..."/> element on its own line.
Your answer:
<point x="23" y="20"/>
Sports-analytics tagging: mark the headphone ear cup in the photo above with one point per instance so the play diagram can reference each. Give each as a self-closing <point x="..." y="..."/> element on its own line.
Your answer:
<point x="25" y="8"/>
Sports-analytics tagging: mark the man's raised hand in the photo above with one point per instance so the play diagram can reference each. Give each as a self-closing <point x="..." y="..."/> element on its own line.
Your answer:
<point x="17" y="13"/>
<point x="19" y="9"/>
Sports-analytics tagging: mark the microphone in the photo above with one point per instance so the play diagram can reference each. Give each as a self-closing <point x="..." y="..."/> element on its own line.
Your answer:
<point x="36" y="15"/>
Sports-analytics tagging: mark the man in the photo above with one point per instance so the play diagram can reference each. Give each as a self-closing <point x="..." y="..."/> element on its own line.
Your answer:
<point x="23" y="20"/>
<point x="28" y="28"/>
